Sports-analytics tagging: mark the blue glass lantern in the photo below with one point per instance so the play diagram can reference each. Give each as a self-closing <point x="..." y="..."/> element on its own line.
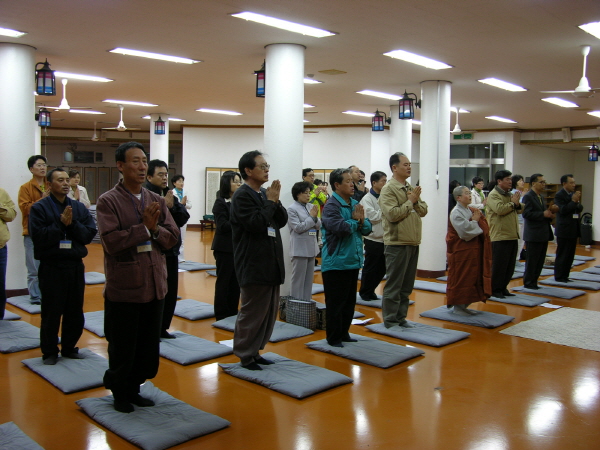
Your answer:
<point x="379" y="120"/>
<point x="159" y="126"/>
<point x="407" y="106"/>
<point x="260" y="81"/>
<point x="45" y="82"/>
<point x="593" y="153"/>
<point x="44" y="118"/>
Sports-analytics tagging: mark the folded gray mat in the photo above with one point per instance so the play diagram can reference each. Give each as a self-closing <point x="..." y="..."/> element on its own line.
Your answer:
<point x="421" y="334"/>
<point x="317" y="288"/>
<point x="192" y="266"/>
<point x="94" y="278"/>
<point x="289" y="377"/>
<point x="369" y="351"/>
<point x="551" y="291"/>
<point x="281" y="332"/>
<point x="575" y="263"/>
<point x="13" y="438"/>
<point x="170" y="422"/>
<point x="577" y="257"/>
<point x="374" y="303"/>
<point x="24" y="302"/>
<point x="10" y="315"/>
<point x="589" y="285"/>
<point x="194" y="310"/>
<point x="514" y="276"/>
<point x="94" y="322"/>
<point x="357" y="315"/>
<point x="521" y="271"/>
<point x="72" y="375"/>
<point x="584" y="276"/>
<point x="521" y="300"/>
<point x="594" y="270"/>
<point x="482" y="319"/>
<point x="430" y="286"/>
<point x="18" y="336"/>
<point x="212" y="273"/>
<point x="186" y="349"/>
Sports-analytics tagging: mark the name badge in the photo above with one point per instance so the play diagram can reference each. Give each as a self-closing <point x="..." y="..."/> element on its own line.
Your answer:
<point x="144" y="247"/>
<point x="312" y="232"/>
<point x="575" y="216"/>
<point x="65" y="244"/>
<point x="271" y="232"/>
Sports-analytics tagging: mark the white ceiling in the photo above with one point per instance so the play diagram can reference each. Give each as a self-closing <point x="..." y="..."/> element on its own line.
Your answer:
<point x="533" y="43"/>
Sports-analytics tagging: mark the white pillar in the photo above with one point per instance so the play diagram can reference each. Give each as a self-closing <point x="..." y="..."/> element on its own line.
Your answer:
<point x="284" y="127"/>
<point x="434" y="175"/>
<point x="159" y="143"/>
<point x="400" y="133"/>
<point x="17" y="143"/>
<point x="596" y="202"/>
<point x="380" y="157"/>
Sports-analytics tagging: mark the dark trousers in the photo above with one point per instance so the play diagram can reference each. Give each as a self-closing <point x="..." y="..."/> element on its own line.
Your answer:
<point x="374" y="268"/>
<point x="227" y="289"/>
<point x="340" y="299"/>
<point x="133" y="334"/>
<point x="536" y="256"/>
<point x="504" y="257"/>
<point x="3" y="260"/>
<point x="172" y="287"/>
<point x="565" y="253"/>
<point x="62" y="286"/>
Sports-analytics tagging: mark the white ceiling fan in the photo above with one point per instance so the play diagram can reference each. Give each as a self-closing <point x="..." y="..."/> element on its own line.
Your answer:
<point x="457" y="130"/>
<point x="94" y="137"/>
<point x="583" y="90"/>
<point x="64" y="104"/>
<point x="121" y="126"/>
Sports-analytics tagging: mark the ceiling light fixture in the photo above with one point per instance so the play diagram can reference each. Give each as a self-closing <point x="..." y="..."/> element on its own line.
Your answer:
<point x="594" y="113"/>
<point x="45" y="82"/>
<point x="500" y="119"/>
<point x="219" y="111"/>
<point x="142" y="54"/>
<point x="358" y="113"/>
<point x="462" y="110"/>
<point x="416" y="122"/>
<point x="417" y="59"/>
<point x="159" y="126"/>
<point x="593" y="28"/>
<point x="311" y="81"/>
<point x="502" y="84"/>
<point x="171" y="119"/>
<point x="306" y="105"/>
<point x="560" y="102"/>
<point x="283" y="24"/>
<point x="76" y="76"/>
<point x="127" y="102"/>
<point x="378" y="122"/>
<point x="11" y="33"/>
<point x="85" y="111"/>
<point x="380" y="94"/>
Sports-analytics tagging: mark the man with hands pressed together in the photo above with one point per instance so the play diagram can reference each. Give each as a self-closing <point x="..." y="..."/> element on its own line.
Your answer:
<point x="60" y="228"/>
<point x="135" y="228"/>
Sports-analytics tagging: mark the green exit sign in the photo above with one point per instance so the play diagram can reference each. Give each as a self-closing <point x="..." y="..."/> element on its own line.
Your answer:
<point x="463" y="136"/>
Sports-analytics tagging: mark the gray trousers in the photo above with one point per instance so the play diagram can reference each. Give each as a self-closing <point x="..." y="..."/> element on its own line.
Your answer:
<point x="401" y="264"/>
<point x="255" y="321"/>
<point x="33" y="265"/>
<point x="303" y="273"/>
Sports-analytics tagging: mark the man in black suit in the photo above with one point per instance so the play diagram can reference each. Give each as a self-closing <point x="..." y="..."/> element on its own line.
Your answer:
<point x="567" y="226"/>
<point x="537" y="230"/>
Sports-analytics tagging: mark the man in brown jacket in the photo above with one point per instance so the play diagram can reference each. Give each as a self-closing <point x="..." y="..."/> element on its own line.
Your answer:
<point x="135" y="226"/>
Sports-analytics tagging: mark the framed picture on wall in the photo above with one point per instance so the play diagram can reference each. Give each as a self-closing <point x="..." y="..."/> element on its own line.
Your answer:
<point x="82" y="157"/>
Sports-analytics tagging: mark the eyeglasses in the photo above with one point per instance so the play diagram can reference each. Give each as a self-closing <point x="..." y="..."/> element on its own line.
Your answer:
<point x="264" y="167"/>
<point x="40" y="166"/>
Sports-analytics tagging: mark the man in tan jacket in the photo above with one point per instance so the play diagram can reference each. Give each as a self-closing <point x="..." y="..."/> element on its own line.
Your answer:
<point x="401" y="209"/>
<point x="7" y="214"/>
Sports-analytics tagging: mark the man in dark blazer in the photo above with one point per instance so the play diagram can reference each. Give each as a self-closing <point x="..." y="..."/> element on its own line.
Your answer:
<point x="256" y="217"/>
<point x="567" y="226"/>
<point x="537" y="231"/>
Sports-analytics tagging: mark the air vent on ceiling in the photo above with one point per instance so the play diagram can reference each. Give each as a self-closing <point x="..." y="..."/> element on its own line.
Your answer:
<point x="332" y="72"/>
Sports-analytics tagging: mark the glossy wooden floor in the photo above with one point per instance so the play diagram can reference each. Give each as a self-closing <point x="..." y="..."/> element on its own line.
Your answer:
<point x="489" y="392"/>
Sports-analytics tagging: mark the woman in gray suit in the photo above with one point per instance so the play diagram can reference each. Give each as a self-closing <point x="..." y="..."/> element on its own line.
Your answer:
<point x="303" y="223"/>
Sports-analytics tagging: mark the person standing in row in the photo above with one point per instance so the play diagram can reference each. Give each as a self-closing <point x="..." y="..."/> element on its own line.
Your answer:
<point x="78" y="192"/>
<point x="178" y="182"/>
<point x="7" y="214"/>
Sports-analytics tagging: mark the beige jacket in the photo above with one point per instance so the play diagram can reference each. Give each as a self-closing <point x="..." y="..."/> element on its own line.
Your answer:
<point x="7" y="214"/>
<point x="401" y="219"/>
<point x="502" y="215"/>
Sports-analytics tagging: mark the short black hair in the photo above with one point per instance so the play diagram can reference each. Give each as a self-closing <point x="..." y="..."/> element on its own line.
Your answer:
<point x="50" y="174"/>
<point x="247" y="162"/>
<point x="476" y="180"/>
<point x="306" y="171"/>
<point x="362" y="173"/>
<point x="395" y="159"/>
<point x="32" y="159"/>
<point x="73" y="172"/>
<point x="377" y="175"/>
<point x="152" y="165"/>
<point x="502" y="174"/>
<point x="225" y="186"/>
<point x="453" y="184"/>
<point x="299" y="188"/>
<point x="337" y="176"/>
<point x="318" y="181"/>
<point x="515" y="179"/>
<point x="565" y="178"/>
<point x="122" y="150"/>
<point x="176" y="178"/>
<point x="535" y="177"/>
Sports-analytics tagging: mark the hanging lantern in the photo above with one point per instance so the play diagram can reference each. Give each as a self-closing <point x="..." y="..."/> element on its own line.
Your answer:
<point x="407" y="106"/>
<point x="159" y="126"/>
<point x="593" y="153"/>
<point x="44" y="118"/>
<point x="260" y="81"/>
<point x="379" y="120"/>
<point x="45" y="82"/>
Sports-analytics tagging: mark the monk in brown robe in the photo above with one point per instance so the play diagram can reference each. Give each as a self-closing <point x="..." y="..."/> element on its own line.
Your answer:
<point x="469" y="252"/>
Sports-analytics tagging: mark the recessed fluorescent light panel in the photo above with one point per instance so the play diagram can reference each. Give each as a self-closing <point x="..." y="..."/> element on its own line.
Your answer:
<point x="175" y="59"/>
<point x="306" y="105"/>
<point x="11" y="33"/>
<point x="172" y="119"/>
<point x="284" y="24"/>
<point x="593" y="28"/>
<point x="380" y="94"/>
<point x="127" y="102"/>
<point x="560" y="102"/>
<point x="76" y="76"/>
<point x="85" y="111"/>
<point x="417" y="59"/>
<point x="502" y="84"/>
<point x="306" y="121"/>
<point x="500" y="119"/>
<point x="416" y="122"/>
<point x="594" y="113"/>
<point x="219" y="111"/>
<point x="311" y="81"/>
<point x="358" y="113"/>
